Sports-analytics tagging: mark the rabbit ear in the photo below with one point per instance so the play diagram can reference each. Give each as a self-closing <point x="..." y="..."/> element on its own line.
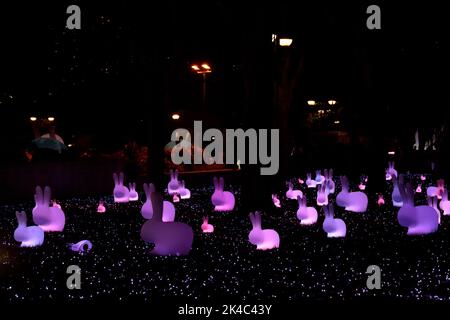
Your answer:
<point x="39" y="196"/>
<point x="325" y="210"/>
<point x="171" y="174"/>
<point x="330" y="173"/>
<point x="116" y="179"/>
<point x="221" y="183"/>
<point x="325" y="173"/>
<point x="146" y="191"/>
<point x="157" y="205"/>
<point x="258" y="218"/>
<point x="151" y="188"/>
<point x="331" y="209"/>
<point x="252" y="218"/>
<point x="430" y="201"/>
<point x="176" y="174"/>
<point x="121" y="178"/>
<point x="216" y="183"/>
<point x="299" y="200"/>
<point x="47" y="195"/>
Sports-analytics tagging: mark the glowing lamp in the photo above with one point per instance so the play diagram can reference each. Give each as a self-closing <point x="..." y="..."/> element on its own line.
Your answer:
<point x="311" y="103"/>
<point x="175" y="116"/>
<point x="33" y="119"/>
<point x="285" y="42"/>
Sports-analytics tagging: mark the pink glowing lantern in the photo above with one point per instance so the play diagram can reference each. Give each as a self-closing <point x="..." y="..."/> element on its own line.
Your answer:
<point x="396" y="195"/>
<point x="310" y="183"/>
<point x="276" y="201"/>
<point x="419" y="188"/>
<point x="133" y="195"/>
<point x="55" y="204"/>
<point x="390" y="171"/>
<point x="184" y="192"/>
<point x="81" y="246"/>
<point x="419" y="220"/>
<point x="48" y="218"/>
<point x="291" y="193"/>
<point x="175" y="198"/>
<point x="436" y="191"/>
<point x="445" y="203"/>
<point x="120" y="193"/>
<point x="335" y="228"/>
<point x="329" y="183"/>
<point x="306" y="215"/>
<point x="169" y="238"/>
<point x="362" y="186"/>
<point x="422" y="177"/>
<point x="322" y="195"/>
<point x="101" y="207"/>
<point x="222" y="200"/>
<point x="380" y="201"/>
<point x="351" y="201"/>
<point x="28" y="236"/>
<point x="206" y="227"/>
<point x="147" y="208"/>
<point x="266" y="239"/>
<point x="300" y="181"/>
<point x="174" y="185"/>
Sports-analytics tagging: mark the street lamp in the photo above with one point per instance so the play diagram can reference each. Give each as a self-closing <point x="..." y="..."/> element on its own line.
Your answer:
<point x="203" y="69"/>
<point x="33" y="119"/>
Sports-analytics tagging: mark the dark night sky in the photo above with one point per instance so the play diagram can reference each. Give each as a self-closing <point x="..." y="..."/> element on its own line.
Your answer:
<point x="96" y="75"/>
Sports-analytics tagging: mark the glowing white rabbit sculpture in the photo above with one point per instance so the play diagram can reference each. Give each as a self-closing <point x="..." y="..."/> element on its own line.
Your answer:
<point x="206" y="227"/>
<point x="48" y="218"/>
<point x="29" y="236"/>
<point x="169" y="238"/>
<point x="222" y="200"/>
<point x="133" y="195"/>
<point x="263" y="239"/>
<point x="174" y="185"/>
<point x="351" y="201"/>
<point x="147" y="211"/>
<point x="445" y="203"/>
<point x="120" y="193"/>
<point x="306" y="215"/>
<point x="390" y="171"/>
<point x="184" y="192"/>
<point x="322" y="195"/>
<point x="396" y="195"/>
<point x="292" y="194"/>
<point x="335" y="228"/>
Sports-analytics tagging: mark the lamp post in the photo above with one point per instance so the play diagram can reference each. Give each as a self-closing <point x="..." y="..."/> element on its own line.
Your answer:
<point x="202" y="69"/>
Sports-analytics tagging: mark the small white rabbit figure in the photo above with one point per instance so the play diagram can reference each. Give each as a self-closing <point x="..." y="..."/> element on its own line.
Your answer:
<point x="184" y="192"/>
<point x="147" y="208"/>
<point x="276" y="201"/>
<point x="396" y="195"/>
<point x="390" y="172"/>
<point x="101" y="207"/>
<point x="436" y="191"/>
<point x="306" y="215"/>
<point x="322" y="195"/>
<point x="206" y="227"/>
<point x="133" y="195"/>
<point x="292" y="194"/>
<point x="29" y="236"/>
<point x="48" y="218"/>
<point x="120" y="193"/>
<point x="351" y="201"/>
<point x="310" y="183"/>
<point x="222" y="200"/>
<point x="335" y="228"/>
<point x="263" y="239"/>
<point x="445" y="203"/>
<point x="169" y="238"/>
<point x="329" y="183"/>
<point x="174" y="185"/>
<point x="319" y="179"/>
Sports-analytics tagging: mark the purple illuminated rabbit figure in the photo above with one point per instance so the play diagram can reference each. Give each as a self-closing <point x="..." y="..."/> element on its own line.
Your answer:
<point x="329" y="183"/>
<point x="335" y="228"/>
<point x="147" y="208"/>
<point x="263" y="239"/>
<point x="121" y="193"/>
<point x="390" y="171"/>
<point x="436" y="191"/>
<point x="174" y="185"/>
<point x="32" y="236"/>
<point x="319" y="179"/>
<point x="351" y="201"/>
<point x="48" y="218"/>
<point x="184" y="192"/>
<point x="306" y="215"/>
<point x="291" y="193"/>
<point x="276" y="201"/>
<point x="310" y="183"/>
<point x="133" y="195"/>
<point x="222" y="200"/>
<point x="322" y="195"/>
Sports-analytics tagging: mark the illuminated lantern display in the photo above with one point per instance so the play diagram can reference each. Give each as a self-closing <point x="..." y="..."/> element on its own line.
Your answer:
<point x="306" y="215"/>
<point x="48" y="218"/>
<point x="28" y="236"/>
<point x="133" y="195"/>
<point x="292" y="194"/>
<point x="351" y="201"/>
<point x="147" y="208"/>
<point x="222" y="200"/>
<point x="121" y="193"/>
<point x="335" y="228"/>
<point x="263" y="239"/>
<point x="206" y="227"/>
<point x="169" y="238"/>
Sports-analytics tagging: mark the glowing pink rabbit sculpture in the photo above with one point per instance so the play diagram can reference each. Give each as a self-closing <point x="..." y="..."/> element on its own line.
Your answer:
<point x="319" y="179"/>
<point x="48" y="218"/>
<point x="419" y="188"/>
<point x="380" y="200"/>
<point x="222" y="200"/>
<point x="419" y="220"/>
<point x="29" y="236"/>
<point x="436" y="191"/>
<point x="292" y="194"/>
<point x="169" y="238"/>
<point x="263" y="239"/>
<point x="147" y="211"/>
<point x="133" y="195"/>
<point x="306" y="215"/>
<point x="390" y="171"/>
<point x="322" y="195"/>
<point x="174" y="185"/>
<point x="445" y="203"/>
<point x="276" y="201"/>
<point x="120" y="193"/>
<point x="335" y="228"/>
<point x="310" y="183"/>
<point x="351" y="201"/>
<point x="206" y="227"/>
<point x="101" y="207"/>
<point x="184" y="192"/>
<point x="55" y="204"/>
